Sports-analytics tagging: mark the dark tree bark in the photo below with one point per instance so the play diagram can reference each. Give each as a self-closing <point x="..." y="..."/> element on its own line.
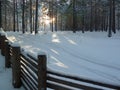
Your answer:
<point x="83" y="16"/>
<point x="113" y="16"/>
<point x="31" y="16"/>
<point x="14" y="23"/>
<point x="23" y="16"/>
<point x="106" y="23"/>
<point x="52" y="16"/>
<point x="110" y="20"/>
<point x="0" y="14"/>
<point x="96" y="16"/>
<point x="74" y="17"/>
<point x="91" y="18"/>
<point x="118" y="22"/>
<point x="33" y="21"/>
<point x="83" y="23"/>
<point x="17" y="15"/>
<point x="36" y="18"/>
<point x="5" y="26"/>
<point x="61" y="23"/>
<point x="56" y="17"/>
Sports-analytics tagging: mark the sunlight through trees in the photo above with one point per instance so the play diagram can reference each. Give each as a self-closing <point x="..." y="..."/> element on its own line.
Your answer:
<point x="53" y="15"/>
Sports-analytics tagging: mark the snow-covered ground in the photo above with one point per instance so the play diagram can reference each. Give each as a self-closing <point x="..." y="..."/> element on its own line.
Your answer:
<point x="91" y="55"/>
<point x="6" y="76"/>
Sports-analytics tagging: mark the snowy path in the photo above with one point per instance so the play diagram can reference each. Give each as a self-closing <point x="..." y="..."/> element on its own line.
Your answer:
<point x="90" y="56"/>
<point x="6" y="77"/>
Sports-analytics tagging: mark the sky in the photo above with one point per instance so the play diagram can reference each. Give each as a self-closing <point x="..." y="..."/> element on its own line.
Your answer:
<point x="91" y="55"/>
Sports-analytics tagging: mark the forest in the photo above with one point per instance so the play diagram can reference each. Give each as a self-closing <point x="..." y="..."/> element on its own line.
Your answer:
<point x="60" y="15"/>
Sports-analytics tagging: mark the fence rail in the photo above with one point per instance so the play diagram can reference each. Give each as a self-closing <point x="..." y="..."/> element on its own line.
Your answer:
<point x="56" y="78"/>
<point x="29" y="72"/>
<point x="32" y="72"/>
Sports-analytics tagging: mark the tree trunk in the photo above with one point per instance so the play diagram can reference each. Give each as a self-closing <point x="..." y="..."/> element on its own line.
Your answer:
<point x="23" y="17"/>
<point x="52" y="17"/>
<point x="14" y="16"/>
<point x="113" y="16"/>
<point x="5" y="15"/>
<point x="17" y="15"/>
<point x="36" y="18"/>
<point x="74" y="17"/>
<point x="56" y="19"/>
<point x="91" y="18"/>
<point x="31" y="16"/>
<point x="110" y="20"/>
<point x="61" y="23"/>
<point x="0" y="14"/>
<point x="118" y="22"/>
<point x="96" y="16"/>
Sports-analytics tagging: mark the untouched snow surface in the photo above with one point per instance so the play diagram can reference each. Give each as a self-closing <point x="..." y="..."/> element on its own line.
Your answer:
<point x="91" y="55"/>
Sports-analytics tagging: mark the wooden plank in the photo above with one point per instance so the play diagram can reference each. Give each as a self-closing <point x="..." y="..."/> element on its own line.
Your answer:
<point x="35" y="59"/>
<point x="84" y="80"/>
<point x="32" y="61"/>
<point x="56" y="86"/>
<point x="29" y="81"/>
<point x="25" y="87"/>
<point x="28" y="70"/>
<point x="71" y="84"/>
<point x="34" y="69"/>
<point x="29" y="76"/>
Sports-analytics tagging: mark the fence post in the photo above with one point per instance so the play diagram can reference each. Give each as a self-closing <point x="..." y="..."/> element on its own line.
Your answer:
<point x="16" y="72"/>
<point x="3" y="38"/>
<point x="42" y="72"/>
<point x="7" y="54"/>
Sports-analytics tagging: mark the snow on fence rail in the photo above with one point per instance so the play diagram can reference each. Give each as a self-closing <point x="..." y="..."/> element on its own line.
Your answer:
<point x="33" y="74"/>
<point x="63" y="81"/>
<point x="33" y="71"/>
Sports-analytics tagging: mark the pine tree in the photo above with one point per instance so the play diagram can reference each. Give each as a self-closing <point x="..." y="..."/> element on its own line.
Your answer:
<point x="36" y="17"/>
<point x="31" y="16"/>
<point x="14" y="23"/>
<point x="23" y="16"/>
<point x="110" y="20"/>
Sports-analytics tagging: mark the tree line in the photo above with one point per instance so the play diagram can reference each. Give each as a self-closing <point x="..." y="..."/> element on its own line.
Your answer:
<point x="75" y="15"/>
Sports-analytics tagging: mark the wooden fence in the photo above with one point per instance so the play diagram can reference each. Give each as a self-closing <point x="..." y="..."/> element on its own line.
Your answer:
<point x="27" y="70"/>
<point x="33" y="74"/>
<point x="61" y="81"/>
<point x="33" y="71"/>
